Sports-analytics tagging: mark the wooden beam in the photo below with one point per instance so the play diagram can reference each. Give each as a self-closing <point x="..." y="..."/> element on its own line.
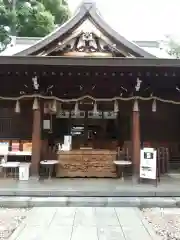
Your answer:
<point x="34" y="61"/>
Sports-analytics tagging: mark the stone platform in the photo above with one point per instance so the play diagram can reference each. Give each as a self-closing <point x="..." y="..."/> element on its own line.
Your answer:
<point x="168" y="187"/>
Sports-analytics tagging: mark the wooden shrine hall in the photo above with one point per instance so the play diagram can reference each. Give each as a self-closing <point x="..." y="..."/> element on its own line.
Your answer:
<point x="86" y="81"/>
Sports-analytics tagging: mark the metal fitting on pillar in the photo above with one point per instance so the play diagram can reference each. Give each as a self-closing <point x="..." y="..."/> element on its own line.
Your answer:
<point x="154" y="106"/>
<point x="95" y="110"/>
<point x="116" y="106"/>
<point x="35" y="104"/>
<point x="76" y="109"/>
<point x="54" y="106"/>
<point x="17" y="107"/>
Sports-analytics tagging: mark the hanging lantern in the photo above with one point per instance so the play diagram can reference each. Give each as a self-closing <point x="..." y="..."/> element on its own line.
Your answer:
<point x="76" y="108"/>
<point x="136" y="107"/>
<point x="17" y="108"/>
<point x="116" y="106"/>
<point x="35" y="104"/>
<point x="95" y="111"/>
<point x="154" y="106"/>
<point x="54" y="106"/>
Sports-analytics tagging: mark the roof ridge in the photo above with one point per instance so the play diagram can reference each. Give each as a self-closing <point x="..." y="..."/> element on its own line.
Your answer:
<point x="87" y="10"/>
<point x="87" y="5"/>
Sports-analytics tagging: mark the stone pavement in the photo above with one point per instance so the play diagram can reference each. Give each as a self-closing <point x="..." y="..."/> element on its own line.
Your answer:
<point x="70" y="223"/>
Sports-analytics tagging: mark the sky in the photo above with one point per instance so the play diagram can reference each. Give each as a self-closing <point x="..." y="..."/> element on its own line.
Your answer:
<point x="139" y="19"/>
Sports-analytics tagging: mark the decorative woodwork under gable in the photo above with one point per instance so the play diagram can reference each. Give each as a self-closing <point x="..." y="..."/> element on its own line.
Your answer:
<point x="85" y="42"/>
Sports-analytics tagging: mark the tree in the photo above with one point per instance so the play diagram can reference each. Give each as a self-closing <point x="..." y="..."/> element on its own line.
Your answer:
<point x="173" y="47"/>
<point x="5" y="19"/>
<point x="59" y="9"/>
<point x="34" y="18"/>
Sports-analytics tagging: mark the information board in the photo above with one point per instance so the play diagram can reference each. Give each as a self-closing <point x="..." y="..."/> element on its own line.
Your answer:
<point x="148" y="163"/>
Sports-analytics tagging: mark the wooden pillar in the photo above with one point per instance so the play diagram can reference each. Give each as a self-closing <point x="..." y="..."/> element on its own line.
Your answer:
<point x="44" y="149"/>
<point x="36" y="141"/>
<point x="136" y="141"/>
<point x="85" y="140"/>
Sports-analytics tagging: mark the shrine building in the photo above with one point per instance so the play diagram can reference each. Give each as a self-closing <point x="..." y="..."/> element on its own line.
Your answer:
<point x="86" y="81"/>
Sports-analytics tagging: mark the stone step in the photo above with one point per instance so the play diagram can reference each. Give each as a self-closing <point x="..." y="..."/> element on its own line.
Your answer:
<point x="122" y="191"/>
<point x="141" y="202"/>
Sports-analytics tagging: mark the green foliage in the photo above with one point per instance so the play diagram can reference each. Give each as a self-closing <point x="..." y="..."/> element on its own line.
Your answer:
<point x="33" y="18"/>
<point x="59" y="10"/>
<point x="5" y="19"/>
<point x="5" y="39"/>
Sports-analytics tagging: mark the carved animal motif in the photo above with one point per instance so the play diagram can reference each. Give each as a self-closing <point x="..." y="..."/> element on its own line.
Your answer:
<point x="87" y="43"/>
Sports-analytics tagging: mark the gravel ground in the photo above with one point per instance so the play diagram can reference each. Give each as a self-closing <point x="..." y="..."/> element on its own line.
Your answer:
<point x="10" y="220"/>
<point x="165" y="222"/>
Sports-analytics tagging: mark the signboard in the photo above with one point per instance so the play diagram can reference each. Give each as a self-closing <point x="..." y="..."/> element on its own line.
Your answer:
<point x="63" y="114"/>
<point x="97" y="115"/>
<point x="68" y="140"/>
<point x="15" y="146"/>
<point x="79" y="114"/>
<point x="46" y="124"/>
<point x="148" y="163"/>
<point x="4" y="148"/>
<point x="91" y="114"/>
<point x="110" y="115"/>
<point x="24" y="172"/>
<point x="67" y="143"/>
<point x="77" y="131"/>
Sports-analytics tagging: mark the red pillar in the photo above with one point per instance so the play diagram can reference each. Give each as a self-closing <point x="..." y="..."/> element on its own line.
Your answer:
<point x="36" y="142"/>
<point x="136" y="141"/>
